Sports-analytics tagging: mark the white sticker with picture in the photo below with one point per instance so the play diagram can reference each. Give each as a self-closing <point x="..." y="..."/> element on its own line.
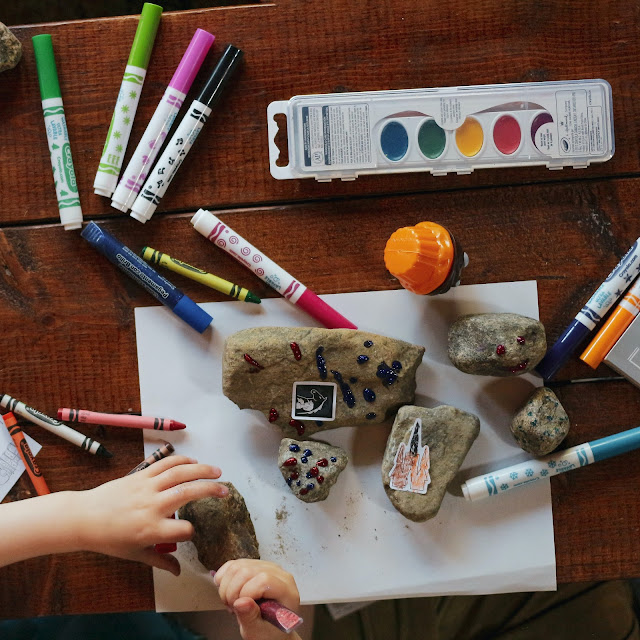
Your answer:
<point x="314" y="401"/>
<point x="410" y="471"/>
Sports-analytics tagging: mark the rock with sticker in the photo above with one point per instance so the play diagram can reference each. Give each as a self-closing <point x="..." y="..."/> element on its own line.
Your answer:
<point x="496" y="344"/>
<point x="541" y="424"/>
<point x="309" y="380"/>
<point x="424" y="452"/>
<point x="223" y="529"/>
<point x="310" y="467"/>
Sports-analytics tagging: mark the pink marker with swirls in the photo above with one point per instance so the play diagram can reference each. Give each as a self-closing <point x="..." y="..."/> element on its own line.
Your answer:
<point x="267" y="270"/>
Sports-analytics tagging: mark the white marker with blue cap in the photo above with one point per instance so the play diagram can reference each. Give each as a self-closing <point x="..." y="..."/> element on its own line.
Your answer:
<point x="497" y="482"/>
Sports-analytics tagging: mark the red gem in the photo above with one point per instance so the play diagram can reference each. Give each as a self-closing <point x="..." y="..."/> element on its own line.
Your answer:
<point x="314" y="471"/>
<point x="291" y="462"/>
<point x="296" y="350"/>
<point x="520" y="340"/>
<point x="501" y="350"/>
<point x="323" y="462"/>
<point x="297" y="425"/>
<point x="273" y="415"/>
<point x="295" y="475"/>
<point x="320" y="479"/>
<point x="303" y="492"/>
<point x="252" y="362"/>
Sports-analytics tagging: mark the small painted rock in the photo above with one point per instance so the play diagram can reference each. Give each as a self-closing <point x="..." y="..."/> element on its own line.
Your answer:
<point x="542" y="424"/>
<point x="10" y="49"/>
<point x="222" y="528"/>
<point x="424" y="452"/>
<point x="318" y="465"/>
<point x="496" y="344"/>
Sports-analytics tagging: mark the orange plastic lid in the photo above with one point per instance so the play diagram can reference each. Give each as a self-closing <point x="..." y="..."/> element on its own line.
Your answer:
<point x="420" y="257"/>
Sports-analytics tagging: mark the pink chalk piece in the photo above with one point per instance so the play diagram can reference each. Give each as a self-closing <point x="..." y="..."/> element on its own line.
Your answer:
<point x="278" y="615"/>
<point x="192" y="60"/>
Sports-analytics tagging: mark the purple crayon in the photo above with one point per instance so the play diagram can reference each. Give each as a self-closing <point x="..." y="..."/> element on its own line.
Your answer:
<point x="160" y="124"/>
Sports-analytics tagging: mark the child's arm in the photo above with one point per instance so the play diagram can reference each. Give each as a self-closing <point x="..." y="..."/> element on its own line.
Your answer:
<point x="242" y="582"/>
<point x="122" y="518"/>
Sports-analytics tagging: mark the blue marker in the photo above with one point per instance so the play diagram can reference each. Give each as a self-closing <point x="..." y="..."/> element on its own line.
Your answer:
<point x="601" y="301"/>
<point x="137" y="269"/>
<point x="493" y="484"/>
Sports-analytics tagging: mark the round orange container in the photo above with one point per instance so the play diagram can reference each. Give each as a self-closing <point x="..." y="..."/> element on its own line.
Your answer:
<point x="425" y="258"/>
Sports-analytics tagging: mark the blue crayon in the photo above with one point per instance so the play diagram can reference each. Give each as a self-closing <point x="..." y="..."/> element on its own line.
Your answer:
<point x="601" y="301"/>
<point x="147" y="277"/>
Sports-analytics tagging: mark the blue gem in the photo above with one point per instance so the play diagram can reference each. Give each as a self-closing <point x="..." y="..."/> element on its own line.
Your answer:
<point x="307" y="452"/>
<point x="362" y="359"/>
<point x="352" y="380"/>
<point x="369" y="394"/>
<point x="289" y="481"/>
<point x="319" y="423"/>
<point x="309" y="475"/>
<point x="368" y="344"/>
<point x="396" y="365"/>
<point x="294" y="447"/>
<point x="334" y="459"/>
<point x="310" y="486"/>
<point x="370" y="416"/>
<point x="303" y="459"/>
<point x="298" y="483"/>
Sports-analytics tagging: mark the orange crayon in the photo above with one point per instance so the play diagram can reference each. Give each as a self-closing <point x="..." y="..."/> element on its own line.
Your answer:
<point x="27" y="457"/>
<point x="613" y="328"/>
<point x="426" y="258"/>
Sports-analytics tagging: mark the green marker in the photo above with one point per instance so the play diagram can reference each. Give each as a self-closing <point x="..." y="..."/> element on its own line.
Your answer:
<point x="127" y="102"/>
<point x="64" y="176"/>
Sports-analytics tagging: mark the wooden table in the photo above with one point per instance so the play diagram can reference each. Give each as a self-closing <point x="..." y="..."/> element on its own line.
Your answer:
<point x="67" y="315"/>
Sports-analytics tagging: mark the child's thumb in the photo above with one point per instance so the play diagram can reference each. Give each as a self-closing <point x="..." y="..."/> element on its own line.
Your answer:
<point x="247" y="612"/>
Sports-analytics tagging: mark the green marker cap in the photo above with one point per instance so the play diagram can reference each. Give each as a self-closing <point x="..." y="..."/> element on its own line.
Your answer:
<point x="145" y="35"/>
<point x="46" y="65"/>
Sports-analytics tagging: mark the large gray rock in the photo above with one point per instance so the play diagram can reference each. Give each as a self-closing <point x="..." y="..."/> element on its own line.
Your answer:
<point x="372" y="376"/>
<point x="310" y="467"/>
<point x="222" y="529"/>
<point x="10" y="49"/>
<point x="541" y="424"/>
<point x="496" y="344"/>
<point x="415" y="480"/>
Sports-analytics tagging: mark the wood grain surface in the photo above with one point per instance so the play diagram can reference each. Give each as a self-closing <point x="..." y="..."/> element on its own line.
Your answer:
<point x="67" y="317"/>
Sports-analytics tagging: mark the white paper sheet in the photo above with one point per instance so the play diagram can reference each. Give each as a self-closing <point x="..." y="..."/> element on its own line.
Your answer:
<point x="11" y="467"/>
<point x="355" y="545"/>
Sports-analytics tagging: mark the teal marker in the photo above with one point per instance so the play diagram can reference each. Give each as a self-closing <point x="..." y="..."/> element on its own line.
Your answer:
<point x="127" y="102"/>
<point x="64" y="176"/>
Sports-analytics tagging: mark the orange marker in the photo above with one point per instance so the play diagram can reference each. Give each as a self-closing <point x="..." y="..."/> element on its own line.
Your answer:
<point x="426" y="259"/>
<point x="25" y="453"/>
<point x="613" y="328"/>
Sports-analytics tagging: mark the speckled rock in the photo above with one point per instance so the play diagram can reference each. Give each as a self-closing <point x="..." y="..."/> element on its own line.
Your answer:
<point x="542" y="424"/>
<point x="310" y="467"/>
<point x="222" y="528"/>
<point x="496" y="344"/>
<point x="10" y="49"/>
<point x="416" y="480"/>
<point x="371" y="376"/>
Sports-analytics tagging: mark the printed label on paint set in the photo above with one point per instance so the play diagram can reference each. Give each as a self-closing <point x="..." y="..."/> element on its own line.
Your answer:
<point x="457" y="129"/>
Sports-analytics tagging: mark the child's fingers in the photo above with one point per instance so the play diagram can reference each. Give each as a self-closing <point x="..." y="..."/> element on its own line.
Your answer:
<point x="232" y="583"/>
<point x="164" y="561"/>
<point x="174" y="498"/>
<point x="186" y="473"/>
<point x="247" y="612"/>
<point x="162" y="465"/>
<point x="174" y="531"/>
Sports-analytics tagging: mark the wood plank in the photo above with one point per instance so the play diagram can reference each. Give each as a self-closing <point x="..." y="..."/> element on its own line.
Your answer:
<point x="67" y="315"/>
<point x="295" y="49"/>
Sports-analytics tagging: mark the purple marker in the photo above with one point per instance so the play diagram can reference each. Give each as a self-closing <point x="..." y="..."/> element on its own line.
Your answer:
<point x="160" y="124"/>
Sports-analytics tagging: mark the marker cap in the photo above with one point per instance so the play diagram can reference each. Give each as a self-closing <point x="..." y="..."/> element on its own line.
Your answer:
<point x="192" y="314"/>
<point x="46" y="66"/>
<point x="192" y="60"/>
<point x="227" y="64"/>
<point x="145" y="35"/>
<point x="565" y="345"/>
<point x="422" y="257"/>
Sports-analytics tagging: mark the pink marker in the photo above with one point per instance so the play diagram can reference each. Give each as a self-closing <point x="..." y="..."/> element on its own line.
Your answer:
<point x="266" y="269"/>
<point x="119" y="420"/>
<point x="153" y="138"/>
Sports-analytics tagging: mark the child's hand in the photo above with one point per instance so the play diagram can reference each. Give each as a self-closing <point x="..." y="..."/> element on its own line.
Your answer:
<point x="242" y="582"/>
<point x="126" y="517"/>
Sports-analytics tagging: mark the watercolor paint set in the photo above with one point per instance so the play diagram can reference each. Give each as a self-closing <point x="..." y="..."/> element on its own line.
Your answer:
<point x="444" y="130"/>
